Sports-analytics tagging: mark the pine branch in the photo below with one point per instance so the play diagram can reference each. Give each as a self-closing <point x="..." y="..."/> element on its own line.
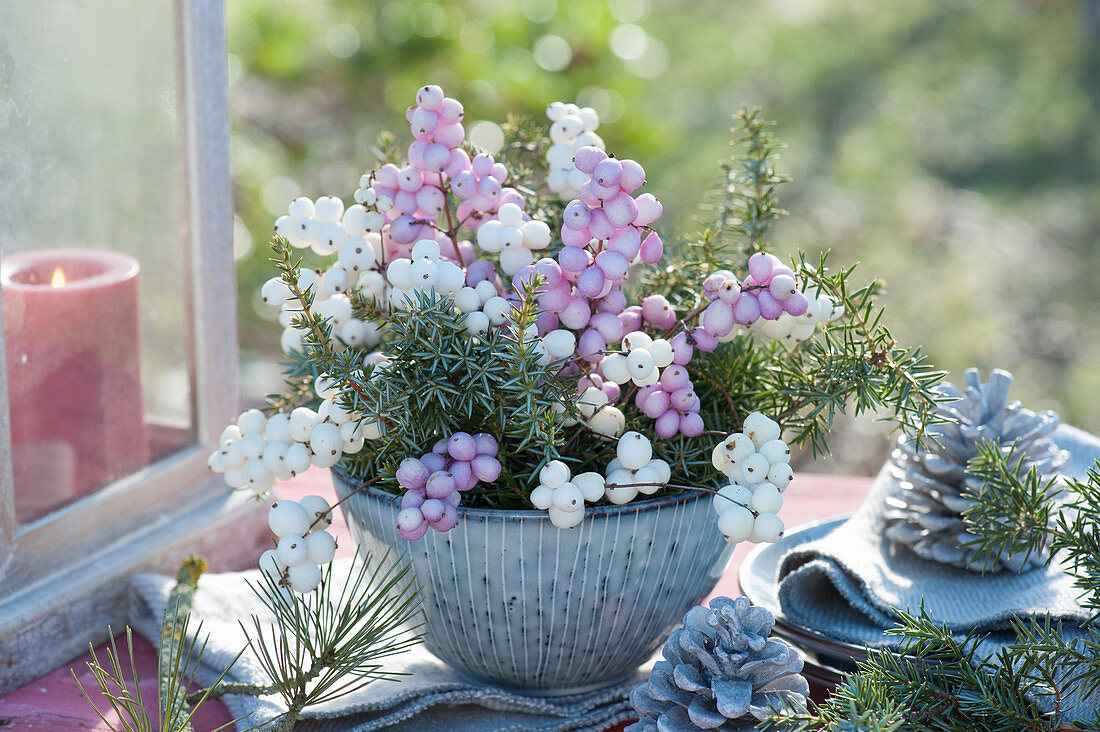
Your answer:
<point x="330" y="643"/>
<point x="935" y="682"/>
<point x="172" y="692"/>
<point x="853" y="363"/>
<point x="743" y="203"/>
<point x="1013" y="511"/>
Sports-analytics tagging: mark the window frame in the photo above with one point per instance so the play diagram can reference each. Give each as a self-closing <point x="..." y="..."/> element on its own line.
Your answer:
<point x="63" y="577"/>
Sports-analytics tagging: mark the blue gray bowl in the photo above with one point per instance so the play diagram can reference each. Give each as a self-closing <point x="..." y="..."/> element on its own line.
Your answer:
<point x="514" y="601"/>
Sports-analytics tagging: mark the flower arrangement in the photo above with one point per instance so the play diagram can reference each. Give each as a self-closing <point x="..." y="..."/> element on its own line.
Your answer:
<point x="515" y="333"/>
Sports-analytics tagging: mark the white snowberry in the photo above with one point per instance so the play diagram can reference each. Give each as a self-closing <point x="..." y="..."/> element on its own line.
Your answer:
<point x="302" y="422"/>
<point x="568" y="497"/>
<point x="325" y="439"/>
<point x="251" y="445"/>
<point x="636" y="339"/>
<point x="298" y="458"/>
<point x="288" y="517"/>
<point x="661" y="468"/>
<point x="590" y="485"/>
<point x="731" y="494"/>
<point x="661" y="351"/>
<point x="615" y="369"/>
<point x="304" y="577"/>
<point x="768" y="527"/>
<point x="353" y="436"/>
<point x="317" y="508"/>
<point x="467" y="300"/>
<point x="292" y="550"/>
<point x="738" y="446"/>
<point x="321" y="547"/>
<point x="274" y="457"/>
<point x="753" y="469"/>
<point x="766" y="499"/>
<point x="640" y="364"/>
<point x="554" y="474"/>
<point x="234" y="478"/>
<point x="760" y="429"/>
<point x="542" y="497"/>
<point x="608" y="421"/>
<point x="573" y="128"/>
<point x="776" y="451"/>
<point x="648" y="480"/>
<point x="634" y="450"/>
<point x="736" y="523"/>
<point x="620" y="487"/>
<point x="559" y="344"/>
<point x="780" y="475"/>
<point x="275" y="292"/>
<point x="278" y="428"/>
<point x="231" y="433"/>
<point x="719" y="460"/>
<point x="476" y="323"/>
<point x="564" y="519"/>
<point x="269" y="564"/>
<point x="252" y="420"/>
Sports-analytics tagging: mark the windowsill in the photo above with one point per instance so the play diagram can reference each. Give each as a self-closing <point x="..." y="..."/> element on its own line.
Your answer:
<point x="54" y="702"/>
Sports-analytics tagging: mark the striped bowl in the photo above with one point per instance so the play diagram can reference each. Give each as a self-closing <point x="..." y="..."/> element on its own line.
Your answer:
<point x="513" y="601"/>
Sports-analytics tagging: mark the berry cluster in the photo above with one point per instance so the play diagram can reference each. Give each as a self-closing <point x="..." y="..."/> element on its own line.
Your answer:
<point x="594" y="404"/>
<point x="634" y="470"/>
<point x="641" y="360"/>
<point x="416" y="230"/>
<point x="563" y="498"/>
<point x="573" y="128"/>
<point x="659" y="368"/>
<point x="258" y="449"/>
<point x="767" y="292"/>
<point x="303" y="543"/>
<point x="434" y="484"/>
<point x="513" y="238"/>
<point x="483" y="306"/>
<point x="324" y="226"/>
<point x="355" y="241"/>
<point x="757" y="463"/>
<point x="408" y="200"/>
<point x="481" y="188"/>
<point x="607" y="213"/>
<point x="796" y="329"/>
<point x="425" y="271"/>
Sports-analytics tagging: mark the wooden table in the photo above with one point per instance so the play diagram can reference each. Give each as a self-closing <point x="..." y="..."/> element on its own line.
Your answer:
<point x="54" y="703"/>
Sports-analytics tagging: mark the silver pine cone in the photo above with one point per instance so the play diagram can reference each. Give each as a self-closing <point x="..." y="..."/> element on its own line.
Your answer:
<point x="925" y="504"/>
<point x="720" y="671"/>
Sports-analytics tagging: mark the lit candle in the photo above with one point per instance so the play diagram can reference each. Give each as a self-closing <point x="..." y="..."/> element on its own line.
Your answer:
<point x="71" y="344"/>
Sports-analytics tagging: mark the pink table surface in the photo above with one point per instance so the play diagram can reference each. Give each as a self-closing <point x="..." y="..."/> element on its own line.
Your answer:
<point x="54" y="703"/>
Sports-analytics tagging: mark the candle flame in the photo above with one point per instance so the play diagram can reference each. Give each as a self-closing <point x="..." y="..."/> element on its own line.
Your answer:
<point x="58" y="279"/>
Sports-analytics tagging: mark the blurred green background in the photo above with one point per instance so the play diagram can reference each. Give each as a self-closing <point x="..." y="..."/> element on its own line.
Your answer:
<point x="950" y="147"/>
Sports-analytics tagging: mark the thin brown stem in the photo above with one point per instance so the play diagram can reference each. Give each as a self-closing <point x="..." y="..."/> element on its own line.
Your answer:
<point x="452" y="230"/>
<point x="333" y="507"/>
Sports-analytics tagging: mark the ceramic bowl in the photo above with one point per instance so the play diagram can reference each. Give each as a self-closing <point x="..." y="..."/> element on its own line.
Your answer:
<point x="513" y="601"/>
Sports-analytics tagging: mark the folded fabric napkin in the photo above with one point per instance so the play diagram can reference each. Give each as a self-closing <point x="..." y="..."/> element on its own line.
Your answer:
<point x="847" y="584"/>
<point x="433" y="696"/>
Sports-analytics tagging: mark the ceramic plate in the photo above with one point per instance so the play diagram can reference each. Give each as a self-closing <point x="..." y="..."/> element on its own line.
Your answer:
<point x="827" y="657"/>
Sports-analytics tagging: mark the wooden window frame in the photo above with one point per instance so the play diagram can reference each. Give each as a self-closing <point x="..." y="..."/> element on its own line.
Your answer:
<point x="63" y="578"/>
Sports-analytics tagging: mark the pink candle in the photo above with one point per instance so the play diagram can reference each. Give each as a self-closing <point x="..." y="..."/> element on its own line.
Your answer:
<point x="74" y="373"/>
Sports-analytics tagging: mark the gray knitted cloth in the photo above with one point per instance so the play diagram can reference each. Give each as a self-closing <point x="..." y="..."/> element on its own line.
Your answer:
<point x="846" y="584"/>
<point x="433" y="697"/>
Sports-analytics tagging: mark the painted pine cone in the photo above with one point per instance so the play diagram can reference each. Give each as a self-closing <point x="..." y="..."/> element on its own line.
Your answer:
<point x="721" y="671"/>
<point x="924" y="508"/>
